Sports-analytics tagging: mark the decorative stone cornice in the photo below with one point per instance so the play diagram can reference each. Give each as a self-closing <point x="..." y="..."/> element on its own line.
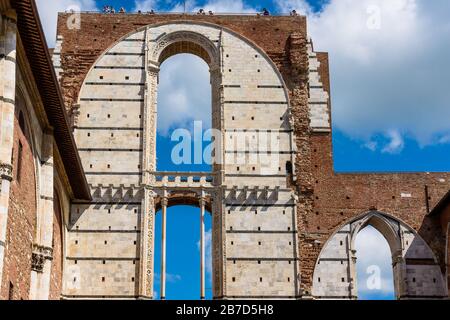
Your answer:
<point x="38" y="257"/>
<point x="6" y="171"/>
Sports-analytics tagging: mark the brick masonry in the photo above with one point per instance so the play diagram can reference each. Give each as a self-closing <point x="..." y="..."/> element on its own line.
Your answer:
<point x="325" y="201"/>
<point x="56" y="279"/>
<point x="21" y="218"/>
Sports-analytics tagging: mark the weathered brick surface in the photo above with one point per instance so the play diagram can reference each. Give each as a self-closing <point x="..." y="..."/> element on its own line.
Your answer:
<point x="21" y="226"/>
<point x="57" y="262"/>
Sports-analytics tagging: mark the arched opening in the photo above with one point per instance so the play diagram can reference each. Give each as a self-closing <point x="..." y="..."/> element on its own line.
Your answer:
<point x="184" y="109"/>
<point x="184" y="114"/>
<point x="377" y="257"/>
<point x="183" y="254"/>
<point x="375" y="277"/>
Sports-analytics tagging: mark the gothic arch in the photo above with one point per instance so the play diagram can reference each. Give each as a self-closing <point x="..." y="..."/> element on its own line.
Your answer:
<point x="118" y="96"/>
<point x="384" y="225"/>
<point x="416" y="272"/>
<point x="185" y="42"/>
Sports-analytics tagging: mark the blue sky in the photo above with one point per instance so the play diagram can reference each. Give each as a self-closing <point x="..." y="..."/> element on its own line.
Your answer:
<point x="390" y="77"/>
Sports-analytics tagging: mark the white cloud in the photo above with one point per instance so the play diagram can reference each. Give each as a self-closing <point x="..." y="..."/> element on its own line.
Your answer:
<point x="172" y="278"/>
<point x="48" y="12"/>
<point x="226" y="6"/>
<point x="371" y="145"/>
<point x="393" y="77"/>
<point x="396" y="143"/>
<point x="184" y="93"/>
<point x="445" y="139"/>
<point x="145" y="5"/>
<point x="218" y="6"/>
<point x="372" y="249"/>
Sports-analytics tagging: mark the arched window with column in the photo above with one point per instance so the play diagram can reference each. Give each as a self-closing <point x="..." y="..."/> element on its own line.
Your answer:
<point x="336" y="271"/>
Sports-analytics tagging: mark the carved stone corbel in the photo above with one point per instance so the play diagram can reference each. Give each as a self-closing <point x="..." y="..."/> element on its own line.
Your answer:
<point x="38" y="257"/>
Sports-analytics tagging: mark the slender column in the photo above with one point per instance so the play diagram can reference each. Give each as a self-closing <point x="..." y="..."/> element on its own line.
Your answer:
<point x="163" y="247"/>
<point x="8" y="31"/>
<point x="400" y="279"/>
<point x="202" y="248"/>
<point x="353" y="285"/>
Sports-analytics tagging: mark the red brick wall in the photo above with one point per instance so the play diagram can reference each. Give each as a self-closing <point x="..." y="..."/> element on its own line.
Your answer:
<point x="99" y="31"/>
<point x="57" y="262"/>
<point x="21" y="225"/>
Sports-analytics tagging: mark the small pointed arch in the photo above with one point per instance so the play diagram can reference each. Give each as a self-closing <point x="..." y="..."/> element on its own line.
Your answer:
<point x="415" y="269"/>
<point x="386" y="226"/>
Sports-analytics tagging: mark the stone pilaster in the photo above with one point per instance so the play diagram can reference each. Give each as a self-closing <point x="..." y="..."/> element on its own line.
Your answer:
<point x="147" y="245"/>
<point x="43" y="248"/>
<point x="8" y="33"/>
<point x="150" y="116"/>
<point x="400" y="279"/>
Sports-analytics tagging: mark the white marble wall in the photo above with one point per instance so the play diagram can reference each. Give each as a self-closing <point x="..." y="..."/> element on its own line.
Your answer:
<point x="256" y="101"/>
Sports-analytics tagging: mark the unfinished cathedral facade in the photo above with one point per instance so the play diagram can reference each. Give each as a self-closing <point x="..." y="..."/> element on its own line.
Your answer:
<point x="281" y="229"/>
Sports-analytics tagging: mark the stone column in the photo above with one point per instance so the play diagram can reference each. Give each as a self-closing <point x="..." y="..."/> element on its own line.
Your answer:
<point x="352" y="283"/>
<point x="8" y="32"/>
<point x="202" y="247"/>
<point x="400" y="279"/>
<point x="164" y="202"/>
<point x="147" y="245"/>
<point x="42" y="254"/>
